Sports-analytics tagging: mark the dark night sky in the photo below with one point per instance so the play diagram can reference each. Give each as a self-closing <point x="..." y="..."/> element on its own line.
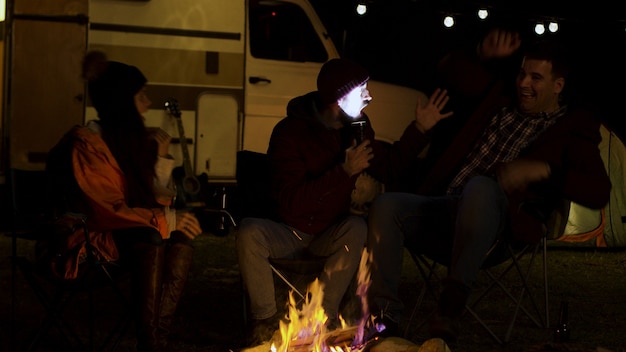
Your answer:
<point x="400" y="41"/>
<point x="398" y="36"/>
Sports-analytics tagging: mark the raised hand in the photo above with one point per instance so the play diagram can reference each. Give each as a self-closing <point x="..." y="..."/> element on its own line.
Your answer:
<point x="426" y="117"/>
<point x="499" y="43"/>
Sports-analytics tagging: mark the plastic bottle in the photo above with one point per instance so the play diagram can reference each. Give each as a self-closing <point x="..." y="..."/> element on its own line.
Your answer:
<point x="562" y="331"/>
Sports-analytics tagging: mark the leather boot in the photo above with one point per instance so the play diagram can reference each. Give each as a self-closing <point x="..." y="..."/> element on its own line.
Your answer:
<point x="445" y="324"/>
<point x="178" y="258"/>
<point x="147" y="279"/>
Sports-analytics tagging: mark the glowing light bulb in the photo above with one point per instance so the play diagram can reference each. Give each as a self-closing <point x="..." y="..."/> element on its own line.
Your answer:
<point x="448" y="21"/>
<point x="483" y="13"/>
<point x="540" y="28"/>
<point x="361" y="9"/>
<point x="553" y="27"/>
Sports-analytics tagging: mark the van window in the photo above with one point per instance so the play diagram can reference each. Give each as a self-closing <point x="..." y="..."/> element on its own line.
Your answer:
<point x="282" y="31"/>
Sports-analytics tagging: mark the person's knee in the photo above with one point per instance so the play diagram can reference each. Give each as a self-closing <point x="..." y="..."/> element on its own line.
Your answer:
<point x="151" y="237"/>
<point x="383" y="219"/>
<point x="383" y="206"/>
<point x="357" y="232"/>
<point x="179" y="238"/>
<point x="249" y="235"/>
<point x="144" y="235"/>
<point x="483" y="195"/>
<point x="482" y="187"/>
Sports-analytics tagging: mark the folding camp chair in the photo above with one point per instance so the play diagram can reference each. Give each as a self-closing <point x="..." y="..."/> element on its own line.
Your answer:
<point x="253" y="185"/>
<point x="504" y="259"/>
<point x="58" y="297"/>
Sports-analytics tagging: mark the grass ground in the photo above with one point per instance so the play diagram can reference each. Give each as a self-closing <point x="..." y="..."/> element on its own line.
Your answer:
<point x="210" y="316"/>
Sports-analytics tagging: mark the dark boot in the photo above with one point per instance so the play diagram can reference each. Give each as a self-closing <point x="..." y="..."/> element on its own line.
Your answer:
<point x="178" y="260"/>
<point x="445" y="324"/>
<point x="147" y="282"/>
<point x="262" y="331"/>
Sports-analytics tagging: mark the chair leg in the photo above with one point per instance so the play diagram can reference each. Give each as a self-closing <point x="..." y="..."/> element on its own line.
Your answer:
<point x="286" y="281"/>
<point x="117" y="333"/>
<point x="523" y="275"/>
<point x="53" y="305"/>
<point x="544" y="243"/>
<point x="244" y="305"/>
<point x="427" y="273"/>
<point x="524" y="290"/>
<point x="13" y="342"/>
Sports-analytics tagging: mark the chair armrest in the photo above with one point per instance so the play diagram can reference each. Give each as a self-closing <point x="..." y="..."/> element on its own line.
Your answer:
<point x="553" y="215"/>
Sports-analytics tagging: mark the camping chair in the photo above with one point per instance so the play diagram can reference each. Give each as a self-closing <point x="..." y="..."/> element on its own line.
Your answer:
<point x="57" y="296"/>
<point x="253" y="187"/>
<point x="503" y="260"/>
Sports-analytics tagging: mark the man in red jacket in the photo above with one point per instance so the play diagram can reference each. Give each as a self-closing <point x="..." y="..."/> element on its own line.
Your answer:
<point x="505" y="156"/>
<point x="315" y="162"/>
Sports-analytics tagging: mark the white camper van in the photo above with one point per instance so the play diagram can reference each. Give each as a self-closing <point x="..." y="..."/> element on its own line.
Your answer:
<point x="232" y="66"/>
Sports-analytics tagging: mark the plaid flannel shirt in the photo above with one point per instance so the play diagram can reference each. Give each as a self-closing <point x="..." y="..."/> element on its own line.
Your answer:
<point x="508" y="133"/>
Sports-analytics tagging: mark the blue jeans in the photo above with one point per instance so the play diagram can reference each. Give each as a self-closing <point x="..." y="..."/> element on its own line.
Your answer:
<point x="257" y="240"/>
<point x="454" y="230"/>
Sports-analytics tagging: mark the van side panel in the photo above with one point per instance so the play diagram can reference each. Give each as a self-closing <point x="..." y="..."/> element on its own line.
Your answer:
<point x="180" y="67"/>
<point x="189" y="50"/>
<point x="225" y="16"/>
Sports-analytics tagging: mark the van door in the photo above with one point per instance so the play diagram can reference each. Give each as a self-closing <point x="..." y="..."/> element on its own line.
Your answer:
<point x="287" y="46"/>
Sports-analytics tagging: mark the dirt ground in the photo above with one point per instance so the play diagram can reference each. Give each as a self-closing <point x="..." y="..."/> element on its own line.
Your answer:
<point x="211" y="318"/>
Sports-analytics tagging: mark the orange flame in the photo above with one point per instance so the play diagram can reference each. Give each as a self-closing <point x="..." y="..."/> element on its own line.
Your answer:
<point x="305" y="329"/>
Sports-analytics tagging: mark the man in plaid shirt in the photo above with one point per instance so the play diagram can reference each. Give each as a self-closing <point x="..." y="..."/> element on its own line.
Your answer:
<point x="510" y="148"/>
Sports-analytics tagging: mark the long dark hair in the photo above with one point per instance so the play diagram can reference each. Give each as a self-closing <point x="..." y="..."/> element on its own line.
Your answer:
<point x="112" y="87"/>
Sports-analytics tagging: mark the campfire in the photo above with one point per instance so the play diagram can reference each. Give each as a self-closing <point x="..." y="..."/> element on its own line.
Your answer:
<point x="305" y="328"/>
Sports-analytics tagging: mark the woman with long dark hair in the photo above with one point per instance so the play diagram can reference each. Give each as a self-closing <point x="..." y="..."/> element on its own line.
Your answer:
<point x="121" y="180"/>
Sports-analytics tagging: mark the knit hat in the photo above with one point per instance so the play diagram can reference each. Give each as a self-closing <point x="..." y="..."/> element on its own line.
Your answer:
<point x="338" y="77"/>
<point x="112" y="85"/>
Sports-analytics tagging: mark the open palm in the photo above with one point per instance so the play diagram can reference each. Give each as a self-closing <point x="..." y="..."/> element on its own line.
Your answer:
<point x="427" y="116"/>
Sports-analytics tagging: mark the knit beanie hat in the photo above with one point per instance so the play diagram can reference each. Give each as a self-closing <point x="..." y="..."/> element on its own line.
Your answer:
<point x="338" y="77"/>
<point x="112" y="85"/>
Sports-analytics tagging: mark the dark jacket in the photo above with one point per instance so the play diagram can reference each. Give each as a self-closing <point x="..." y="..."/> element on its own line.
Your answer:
<point x="308" y="182"/>
<point x="570" y="146"/>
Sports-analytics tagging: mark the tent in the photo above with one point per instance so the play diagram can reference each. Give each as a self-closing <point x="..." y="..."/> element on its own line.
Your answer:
<point x="601" y="227"/>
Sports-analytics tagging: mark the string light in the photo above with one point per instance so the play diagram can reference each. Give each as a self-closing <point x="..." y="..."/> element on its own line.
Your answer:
<point x="448" y="21"/>
<point x="483" y="14"/>
<point x="361" y="9"/>
<point x="553" y="26"/>
<point x="540" y="28"/>
<point x="539" y="24"/>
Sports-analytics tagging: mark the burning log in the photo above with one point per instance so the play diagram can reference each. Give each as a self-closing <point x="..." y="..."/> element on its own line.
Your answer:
<point x="339" y="340"/>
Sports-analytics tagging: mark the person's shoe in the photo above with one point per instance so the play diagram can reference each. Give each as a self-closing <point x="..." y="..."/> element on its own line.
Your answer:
<point x="387" y="328"/>
<point x="446" y="323"/>
<point x="261" y="331"/>
<point x="446" y="328"/>
<point x="333" y="324"/>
